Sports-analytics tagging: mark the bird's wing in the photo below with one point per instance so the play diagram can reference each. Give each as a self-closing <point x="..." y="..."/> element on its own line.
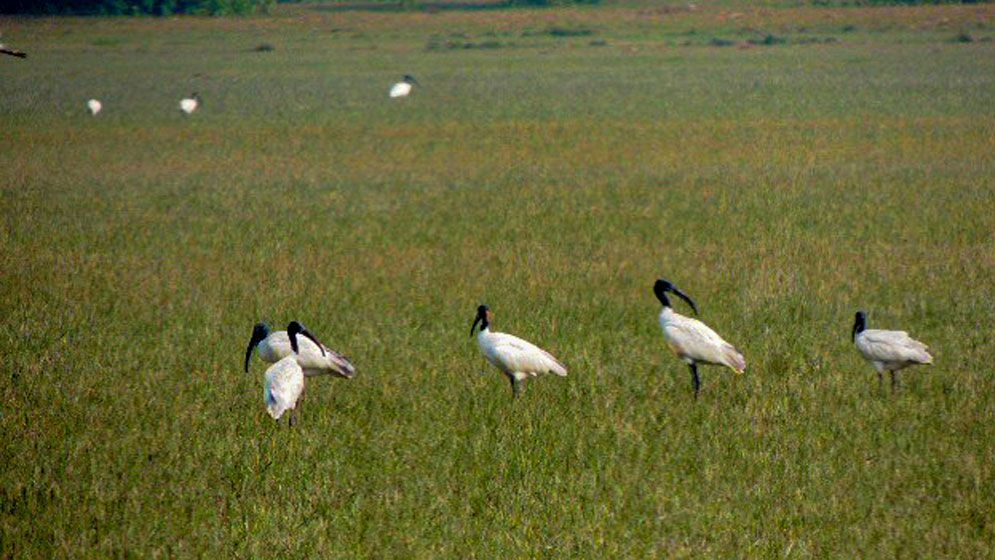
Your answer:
<point x="517" y="355"/>
<point x="400" y="89"/>
<point x="284" y="384"/>
<point x="892" y="346"/>
<point x="332" y="362"/>
<point x="314" y="361"/>
<point x="311" y="359"/>
<point x="696" y="340"/>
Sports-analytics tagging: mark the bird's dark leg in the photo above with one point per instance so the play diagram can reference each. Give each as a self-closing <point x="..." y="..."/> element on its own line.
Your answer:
<point x="695" y="379"/>
<point x="516" y="387"/>
<point x="292" y="420"/>
<point x="894" y="381"/>
<point x="880" y="381"/>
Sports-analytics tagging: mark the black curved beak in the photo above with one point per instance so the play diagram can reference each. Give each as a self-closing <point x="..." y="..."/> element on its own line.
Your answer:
<point x="685" y="297"/>
<point x="256" y="339"/>
<point x="474" y="326"/>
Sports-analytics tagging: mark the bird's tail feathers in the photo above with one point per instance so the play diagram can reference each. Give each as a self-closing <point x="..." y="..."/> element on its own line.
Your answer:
<point x="735" y="359"/>
<point x="555" y="366"/>
<point x="922" y="353"/>
<point x="345" y="367"/>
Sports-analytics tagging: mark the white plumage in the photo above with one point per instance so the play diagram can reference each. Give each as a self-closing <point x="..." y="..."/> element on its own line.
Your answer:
<point x="314" y="360"/>
<point x="190" y="104"/>
<point x="403" y="88"/>
<point x="518" y="359"/>
<point x="888" y="351"/>
<point x="693" y="341"/>
<point x="400" y="89"/>
<point x="94" y="106"/>
<point x="284" y="386"/>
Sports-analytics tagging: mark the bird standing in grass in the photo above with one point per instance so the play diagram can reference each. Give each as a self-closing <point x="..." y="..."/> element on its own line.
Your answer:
<point x="284" y="385"/>
<point x="94" y="106"/>
<point x="693" y="341"/>
<point x="518" y="359"/>
<point x="403" y="88"/>
<point x="190" y="104"/>
<point x="888" y="350"/>
<point x="314" y="359"/>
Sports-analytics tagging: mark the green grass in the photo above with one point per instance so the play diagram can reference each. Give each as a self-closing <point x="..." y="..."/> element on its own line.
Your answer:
<point x="782" y="186"/>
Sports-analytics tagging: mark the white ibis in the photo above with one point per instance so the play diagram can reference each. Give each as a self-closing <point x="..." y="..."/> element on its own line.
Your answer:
<point x="314" y="359"/>
<point x="518" y="359"/>
<point x="94" y="106"/>
<point x="888" y="350"/>
<point x="284" y="385"/>
<point x="190" y="104"/>
<point x="693" y="341"/>
<point x="403" y="88"/>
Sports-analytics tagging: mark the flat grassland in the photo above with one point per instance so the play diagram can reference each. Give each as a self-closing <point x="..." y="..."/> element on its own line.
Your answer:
<point x="784" y="166"/>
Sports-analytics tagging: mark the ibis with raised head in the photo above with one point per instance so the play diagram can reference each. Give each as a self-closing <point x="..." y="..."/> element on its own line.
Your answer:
<point x="693" y="341"/>
<point x="403" y="88"/>
<point x="314" y="359"/>
<point x="888" y="350"/>
<point x="284" y="384"/>
<point x="516" y="358"/>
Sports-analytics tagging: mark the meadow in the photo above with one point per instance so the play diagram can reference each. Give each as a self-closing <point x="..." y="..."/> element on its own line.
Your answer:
<point x="785" y="166"/>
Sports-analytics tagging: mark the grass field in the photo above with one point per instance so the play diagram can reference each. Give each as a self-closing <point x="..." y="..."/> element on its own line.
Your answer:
<point x="555" y="163"/>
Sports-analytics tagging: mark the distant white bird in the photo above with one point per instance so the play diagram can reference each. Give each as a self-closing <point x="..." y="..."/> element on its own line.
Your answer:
<point x="693" y="341"/>
<point x="888" y="350"/>
<point x="516" y="358"/>
<point x="313" y="358"/>
<point x="285" y="379"/>
<point x="94" y="106"/>
<point x="403" y="88"/>
<point x="190" y="104"/>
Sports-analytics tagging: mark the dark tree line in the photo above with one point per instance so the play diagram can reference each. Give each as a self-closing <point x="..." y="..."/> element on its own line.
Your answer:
<point x="231" y="7"/>
<point x="134" y="7"/>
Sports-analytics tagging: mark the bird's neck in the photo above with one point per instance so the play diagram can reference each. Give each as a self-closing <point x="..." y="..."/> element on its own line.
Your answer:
<point x="662" y="296"/>
<point x="666" y="314"/>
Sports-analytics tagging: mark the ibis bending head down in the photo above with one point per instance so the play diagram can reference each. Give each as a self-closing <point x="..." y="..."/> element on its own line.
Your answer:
<point x="313" y="357"/>
<point x="403" y="88"/>
<point x="94" y="106"/>
<point x="693" y="341"/>
<point x="189" y="105"/>
<point x="284" y="384"/>
<point x="888" y="350"/>
<point x="516" y="358"/>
